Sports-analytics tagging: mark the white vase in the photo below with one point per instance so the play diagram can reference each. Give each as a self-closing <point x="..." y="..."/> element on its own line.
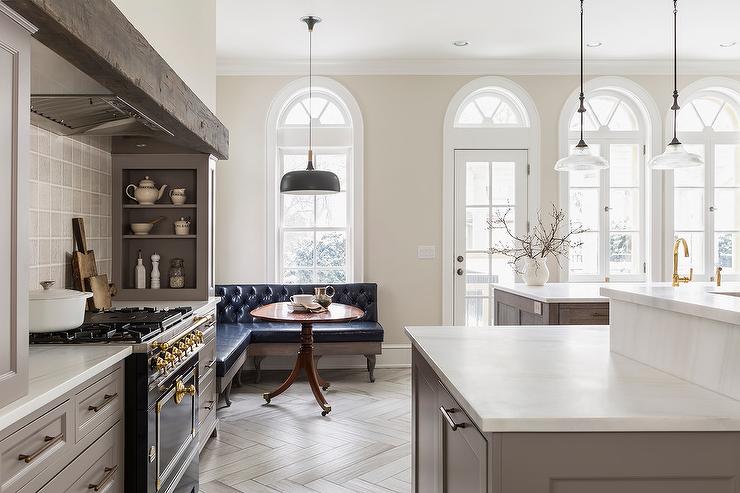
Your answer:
<point x="535" y="272"/>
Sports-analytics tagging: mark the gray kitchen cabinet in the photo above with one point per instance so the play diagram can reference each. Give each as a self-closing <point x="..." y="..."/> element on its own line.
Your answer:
<point x="207" y="394"/>
<point x="15" y="86"/>
<point x="453" y="456"/>
<point x="512" y="309"/>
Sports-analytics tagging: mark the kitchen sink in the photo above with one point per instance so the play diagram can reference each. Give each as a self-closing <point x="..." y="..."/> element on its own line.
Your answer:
<point x="726" y="293"/>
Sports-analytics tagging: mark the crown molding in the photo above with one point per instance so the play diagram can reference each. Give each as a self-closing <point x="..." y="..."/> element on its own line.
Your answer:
<point x="227" y="67"/>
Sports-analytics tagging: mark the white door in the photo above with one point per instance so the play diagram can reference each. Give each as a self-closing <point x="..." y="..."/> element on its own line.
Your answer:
<point x="488" y="183"/>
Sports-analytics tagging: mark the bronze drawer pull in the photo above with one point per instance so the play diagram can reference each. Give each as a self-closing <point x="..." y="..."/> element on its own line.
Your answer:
<point x="107" y="399"/>
<point x="209" y="365"/>
<point x="597" y="314"/>
<point x="109" y="473"/>
<point x="210" y="405"/>
<point x="448" y="418"/>
<point x="49" y="442"/>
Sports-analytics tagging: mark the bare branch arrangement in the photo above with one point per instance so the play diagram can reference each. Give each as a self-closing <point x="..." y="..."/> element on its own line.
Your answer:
<point x="552" y="239"/>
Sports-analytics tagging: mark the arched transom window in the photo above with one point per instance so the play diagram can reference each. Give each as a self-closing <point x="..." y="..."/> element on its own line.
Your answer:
<point x="706" y="200"/>
<point x="491" y="107"/>
<point x="610" y="204"/>
<point x="315" y="235"/>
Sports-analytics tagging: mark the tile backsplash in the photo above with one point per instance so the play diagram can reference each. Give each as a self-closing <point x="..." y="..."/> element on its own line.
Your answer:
<point x="69" y="177"/>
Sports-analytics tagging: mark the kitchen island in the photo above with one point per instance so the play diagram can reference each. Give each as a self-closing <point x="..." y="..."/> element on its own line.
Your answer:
<point x="565" y="303"/>
<point x="534" y="409"/>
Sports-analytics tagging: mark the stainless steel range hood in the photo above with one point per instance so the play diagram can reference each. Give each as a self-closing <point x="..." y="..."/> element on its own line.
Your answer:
<point x="79" y="114"/>
<point x="67" y="101"/>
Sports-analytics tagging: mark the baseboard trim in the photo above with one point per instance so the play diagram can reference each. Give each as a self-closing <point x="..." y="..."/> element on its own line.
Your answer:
<point x="394" y="356"/>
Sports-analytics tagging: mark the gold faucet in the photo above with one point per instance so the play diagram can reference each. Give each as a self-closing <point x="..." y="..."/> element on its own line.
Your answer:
<point x="718" y="276"/>
<point x="677" y="280"/>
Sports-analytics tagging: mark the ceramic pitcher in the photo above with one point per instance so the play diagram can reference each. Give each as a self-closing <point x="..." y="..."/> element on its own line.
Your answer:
<point x="324" y="295"/>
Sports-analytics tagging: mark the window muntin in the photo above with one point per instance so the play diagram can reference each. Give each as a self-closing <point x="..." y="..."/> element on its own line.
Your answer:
<point x="610" y="204"/>
<point x="314" y="233"/>
<point x="706" y="199"/>
<point x="491" y="107"/>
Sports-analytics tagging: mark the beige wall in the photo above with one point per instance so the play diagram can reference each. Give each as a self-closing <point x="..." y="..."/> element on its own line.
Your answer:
<point x="403" y="117"/>
<point x="184" y="33"/>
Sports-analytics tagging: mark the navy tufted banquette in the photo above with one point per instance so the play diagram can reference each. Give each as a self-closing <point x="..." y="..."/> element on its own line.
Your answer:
<point x="238" y="334"/>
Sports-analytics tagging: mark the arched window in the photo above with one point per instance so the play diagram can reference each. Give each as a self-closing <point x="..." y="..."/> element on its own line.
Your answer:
<point x="611" y="204"/>
<point x="706" y="200"/>
<point x="491" y="168"/>
<point x="315" y="239"/>
<point x="491" y="107"/>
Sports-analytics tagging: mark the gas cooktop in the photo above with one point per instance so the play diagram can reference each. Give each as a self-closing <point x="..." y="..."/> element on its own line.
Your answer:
<point x="121" y="325"/>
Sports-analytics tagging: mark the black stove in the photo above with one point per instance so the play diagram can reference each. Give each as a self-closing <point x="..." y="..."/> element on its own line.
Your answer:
<point x="120" y="325"/>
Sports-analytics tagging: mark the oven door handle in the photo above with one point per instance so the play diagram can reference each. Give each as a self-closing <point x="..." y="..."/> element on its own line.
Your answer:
<point x="181" y="391"/>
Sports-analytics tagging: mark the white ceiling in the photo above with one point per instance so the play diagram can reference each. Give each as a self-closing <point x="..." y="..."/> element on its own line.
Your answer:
<point x="259" y="33"/>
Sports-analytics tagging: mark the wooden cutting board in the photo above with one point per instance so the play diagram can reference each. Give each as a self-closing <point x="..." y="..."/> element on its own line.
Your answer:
<point x="98" y="285"/>
<point x="83" y="260"/>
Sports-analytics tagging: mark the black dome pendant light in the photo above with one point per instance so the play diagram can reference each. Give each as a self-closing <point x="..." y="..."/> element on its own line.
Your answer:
<point x="310" y="181"/>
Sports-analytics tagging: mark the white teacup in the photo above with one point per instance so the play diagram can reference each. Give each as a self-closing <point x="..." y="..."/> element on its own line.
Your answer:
<point x="301" y="299"/>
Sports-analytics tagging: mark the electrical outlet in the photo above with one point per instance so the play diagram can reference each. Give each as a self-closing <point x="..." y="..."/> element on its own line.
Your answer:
<point x="426" y="252"/>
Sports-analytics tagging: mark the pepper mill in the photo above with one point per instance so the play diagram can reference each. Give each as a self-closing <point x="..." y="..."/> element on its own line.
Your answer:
<point x="155" y="271"/>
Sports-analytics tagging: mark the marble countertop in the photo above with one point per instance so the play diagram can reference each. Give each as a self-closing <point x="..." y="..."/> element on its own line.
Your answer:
<point x="55" y="370"/>
<point x="557" y="292"/>
<point x="700" y="299"/>
<point x="564" y="378"/>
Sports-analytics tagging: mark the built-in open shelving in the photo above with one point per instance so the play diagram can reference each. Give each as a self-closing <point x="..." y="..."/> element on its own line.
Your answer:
<point x="160" y="206"/>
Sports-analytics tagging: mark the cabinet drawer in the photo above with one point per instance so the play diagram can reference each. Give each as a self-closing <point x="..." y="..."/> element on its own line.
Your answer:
<point x="97" y="402"/>
<point x="98" y="468"/>
<point x="207" y="360"/>
<point x="207" y="399"/>
<point x="584" y="314"/>
<point x="36" y="446"/>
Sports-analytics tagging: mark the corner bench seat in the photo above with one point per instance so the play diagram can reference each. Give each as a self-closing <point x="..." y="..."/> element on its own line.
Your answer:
<point x="239" y="335"/>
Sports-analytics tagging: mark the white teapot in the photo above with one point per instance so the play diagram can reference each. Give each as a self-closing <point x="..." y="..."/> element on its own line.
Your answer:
<point x="146" y="193"/>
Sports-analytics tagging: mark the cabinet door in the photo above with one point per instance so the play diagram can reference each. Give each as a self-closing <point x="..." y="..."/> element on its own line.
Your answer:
<point x="463" y="449"/>
<point x="14" y="131"/>
<point x="426" y="425"/>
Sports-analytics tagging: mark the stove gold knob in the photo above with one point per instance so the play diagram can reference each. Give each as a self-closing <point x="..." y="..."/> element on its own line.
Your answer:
<point x="169" y="358"/>
<point x="161" y="363"/>
<point x="176" y="352"/>
<point x="198" y="334"/>
<point x="162" y="346"/>
<point x="183" y="346"/>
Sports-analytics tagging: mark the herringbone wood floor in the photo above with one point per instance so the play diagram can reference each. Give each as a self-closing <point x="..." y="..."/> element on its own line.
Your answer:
<point x="363" y="445"/>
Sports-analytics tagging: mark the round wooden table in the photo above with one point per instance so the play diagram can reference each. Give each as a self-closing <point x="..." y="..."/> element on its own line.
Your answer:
<point x="282" y="312"/>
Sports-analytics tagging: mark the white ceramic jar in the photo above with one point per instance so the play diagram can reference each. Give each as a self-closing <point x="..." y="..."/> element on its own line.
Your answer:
<point x="182" y="226"/>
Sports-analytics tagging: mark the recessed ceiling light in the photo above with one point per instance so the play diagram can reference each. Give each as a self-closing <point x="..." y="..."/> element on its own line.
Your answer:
<point x="728" y="44"/>
<point x="460" y="43"/>
<point x="595" y="44"/>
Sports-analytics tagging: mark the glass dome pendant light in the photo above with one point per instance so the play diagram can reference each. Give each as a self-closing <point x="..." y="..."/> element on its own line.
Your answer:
<point x="309" y="181"/>
<point x="581" y="158"/>
<point x="675" y="155"/>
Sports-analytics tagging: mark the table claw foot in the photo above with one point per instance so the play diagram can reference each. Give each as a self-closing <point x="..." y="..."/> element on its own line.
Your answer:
<point x="327" y="410"/>
<point x="266" y="397"/>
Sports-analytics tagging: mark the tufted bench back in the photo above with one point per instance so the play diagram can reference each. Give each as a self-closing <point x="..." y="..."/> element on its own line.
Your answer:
<point x="238" y="300"/>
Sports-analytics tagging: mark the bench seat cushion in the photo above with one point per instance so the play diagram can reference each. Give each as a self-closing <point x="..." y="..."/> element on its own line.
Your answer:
<point x="231" y="341"/>
<point x="356" y="331"/>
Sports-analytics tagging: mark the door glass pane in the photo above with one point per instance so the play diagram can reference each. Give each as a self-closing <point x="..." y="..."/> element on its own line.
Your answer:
<point x="727" y="165"/>
<point x="624" y="256"/>
<point x="688" y="209"/>
<point x="476" y="228"/>
<point x="695" y="240"/>
<point x="476" y="183"/>
<point x="477" y="312"/>
<point x="584" y="208"/>
<point x="624" y="209"/>
<point x="624" y="165"/>
<point x="584" y="178"/>
<point x="503" y="183"/>
<point x="726" y="202"/>
<point x="478" y="269"/>
<point x="584" y="259"/>
<point x="725" y="251"/>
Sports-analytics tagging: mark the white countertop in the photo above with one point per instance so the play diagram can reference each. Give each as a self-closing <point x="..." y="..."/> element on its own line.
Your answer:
<point x="557" y="292"/>
<point x="563" y="378"/>
<point x="694" y="298"/>
<point x="57" y="369"/>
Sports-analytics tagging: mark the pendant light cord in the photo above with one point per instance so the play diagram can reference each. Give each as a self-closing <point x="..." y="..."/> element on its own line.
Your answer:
<point x="310" y="94"/>
<point x="581" y="107"/>
<point x="675" y="107"/>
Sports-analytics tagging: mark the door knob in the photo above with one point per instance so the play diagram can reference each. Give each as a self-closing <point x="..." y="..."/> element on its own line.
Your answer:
<point x="459" y="272"/>
<point x="460" y="258"/>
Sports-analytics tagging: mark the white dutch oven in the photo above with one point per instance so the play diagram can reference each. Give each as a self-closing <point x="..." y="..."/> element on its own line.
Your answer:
<point x="51" y="310"/>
